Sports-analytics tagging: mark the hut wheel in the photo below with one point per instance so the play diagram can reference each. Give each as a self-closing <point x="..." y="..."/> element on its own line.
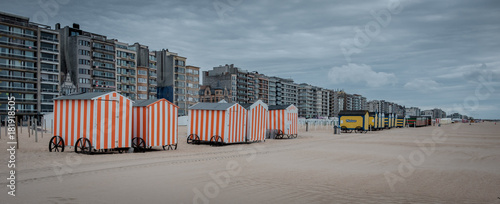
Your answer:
<point x="83" y="146"/>
<point x="57" y="144"/>
<point x="280" y="134"/>
<point x="192" y="139"/>
<point x="138" y="144"/>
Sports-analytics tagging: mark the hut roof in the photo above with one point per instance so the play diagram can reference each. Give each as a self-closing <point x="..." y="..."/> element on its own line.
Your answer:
<point x="142" y="103"/>
<point x="211" y="106"/>
<point x="278" y="107"/>
<point x="83" y="96"/>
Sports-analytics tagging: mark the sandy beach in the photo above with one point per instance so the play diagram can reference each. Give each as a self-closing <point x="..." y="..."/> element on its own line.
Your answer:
<point x="456" y="163"/>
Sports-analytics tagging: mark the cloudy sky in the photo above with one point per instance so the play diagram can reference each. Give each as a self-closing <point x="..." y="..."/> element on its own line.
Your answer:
<point x="443" y="54"/>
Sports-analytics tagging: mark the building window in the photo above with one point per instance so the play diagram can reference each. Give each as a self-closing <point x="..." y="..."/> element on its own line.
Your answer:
<point x="142" y="72"/>
<point x="84" y="62"/>
<point x="84" y="81"/>
<point x="84" y="71"/>
<point x="142" y="88"/>
<point x="142" y="80"/>
<point x="84" y="43"/>
<point x="84" y="52"/>
<point x="179" y="70"/>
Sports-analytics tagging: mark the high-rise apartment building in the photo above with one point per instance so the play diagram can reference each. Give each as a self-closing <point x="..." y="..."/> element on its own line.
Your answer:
<point x="175" y="79"/>
<point x="192" y="85"/>
<point x="126" y="69"/>
<point x="29" y="65"/>
<point x="262" y="86"/>
<point x="313" y="101"/>
<point x="93" y="63"/>
<point x="237" y="80"/>
<point x="88" y="59"/>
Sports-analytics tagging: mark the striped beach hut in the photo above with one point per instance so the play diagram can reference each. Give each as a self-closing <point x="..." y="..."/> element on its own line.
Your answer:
<point x="284" y="119"/>
<point x="256" y="121"/>
<point x="92" y="121"/>
<point x="155" y="123"/>
<point x="381" y="123"/>
<point x="216" y="123"/>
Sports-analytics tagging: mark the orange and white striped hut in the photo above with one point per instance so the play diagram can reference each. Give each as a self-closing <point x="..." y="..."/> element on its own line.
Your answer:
<point x="155" y="122"/>
<point x="92" y="121"/>
<point x="284" y="118"/>
<point x="218" y="123"/>
<point x="257" y="117"/>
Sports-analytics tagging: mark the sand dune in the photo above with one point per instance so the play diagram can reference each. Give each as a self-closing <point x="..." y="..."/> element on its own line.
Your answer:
<point x="454" y="163"/>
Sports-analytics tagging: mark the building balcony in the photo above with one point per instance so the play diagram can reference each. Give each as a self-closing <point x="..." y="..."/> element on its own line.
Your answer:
<point x="46" y="101"/>
<point x="50" y="90"/>
<point x="49" y="70"/>
<point x="103" y="59"/>
<point x="103" y="87"/>
<point x="49" y="59"/>
<point x="21" y="78"/>
<point x="18" y="34"/>
<point x="18" y="89"/>
<point x="17" y="67"/>
<point x="49" y="80"/>
<point x="104" y="50"/>
<point x="50" y="50"/>
<point x="18" y="56"/>
<point x="12" y="44"/>
<point x="103" y="68"/>
<point x="50" y="39"/>
<point x="23" y="100"/>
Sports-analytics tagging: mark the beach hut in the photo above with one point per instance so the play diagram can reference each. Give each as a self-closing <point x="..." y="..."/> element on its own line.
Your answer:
<point x="155" y="123"/>
<point x="356" y="120"/>
<point x="394" y="120"/>
<point x="373" y="121"/>
<point x="257" y="117"/>
<point x="216" y="123"/>
<point x="401" y="122"/>
<point x="92" y="121"/>
<point x="284" y="120"/>
<point x="381" y="123"/>
<point x="388" y="121"/>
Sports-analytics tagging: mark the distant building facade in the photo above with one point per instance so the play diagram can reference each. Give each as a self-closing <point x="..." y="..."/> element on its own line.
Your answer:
<point x="29" y="65"/>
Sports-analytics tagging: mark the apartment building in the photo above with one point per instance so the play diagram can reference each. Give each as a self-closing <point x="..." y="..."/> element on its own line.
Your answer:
<point x="237" y="80"/>
<point x="126" y="70"/>
<point x="29" y="65"/>
<point x="286" y="91"/>
<point x="146" y="72"/>
<point x="435" y="113"/>
<point x="413" y="111"/>
<point x="359" y="102"/>
<point x="262" y="86"/>
<point x="307" y="101"/>
<point x="175" y="79"/>
<point x="313" y="101"/>
<point x="88" y="60"/>
<point x="192" y="85"/>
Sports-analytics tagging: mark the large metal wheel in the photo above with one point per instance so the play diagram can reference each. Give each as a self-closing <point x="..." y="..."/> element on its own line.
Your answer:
<point x="216" y="141"/>
<point x="170" y="147"/>
<point x="56" y="143"/>
<point x="83" y="146"/>
<point x="138" y="144"/>
<point x="280" y="134"/>
<point x="193" y="139"/>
